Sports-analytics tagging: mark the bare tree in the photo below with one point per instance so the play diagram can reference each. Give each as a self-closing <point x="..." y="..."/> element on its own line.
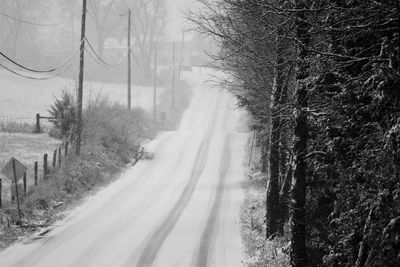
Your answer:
<point x="12" y="23"/>
<point x="105" y="17"/>
<point x="275" y="206"/>
<point x="148" y="24"/>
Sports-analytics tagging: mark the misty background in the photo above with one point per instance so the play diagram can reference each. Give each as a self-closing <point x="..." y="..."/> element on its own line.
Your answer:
<point x="45" y="34"/>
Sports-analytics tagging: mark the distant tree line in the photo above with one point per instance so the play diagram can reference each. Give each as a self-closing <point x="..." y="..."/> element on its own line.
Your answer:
<point x="321" y="80"/>
<point x="44" y="32"/>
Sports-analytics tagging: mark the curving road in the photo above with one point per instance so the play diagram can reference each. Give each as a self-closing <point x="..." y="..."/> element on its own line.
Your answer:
<point x="178" y="209"/>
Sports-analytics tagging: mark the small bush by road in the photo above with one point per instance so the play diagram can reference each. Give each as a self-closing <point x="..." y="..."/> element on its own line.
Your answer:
<point x="111" y="138"/>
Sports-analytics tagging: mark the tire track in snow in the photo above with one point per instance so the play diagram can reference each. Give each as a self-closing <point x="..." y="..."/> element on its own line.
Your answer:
<point x="154" y="244"/>
<point x="126" y="222"/>
<point x="152" y="247"/>
<point x="209" y="234"/>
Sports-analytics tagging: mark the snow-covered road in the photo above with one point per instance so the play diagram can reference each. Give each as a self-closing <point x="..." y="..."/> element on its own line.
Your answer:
<point x="178" y="209"/>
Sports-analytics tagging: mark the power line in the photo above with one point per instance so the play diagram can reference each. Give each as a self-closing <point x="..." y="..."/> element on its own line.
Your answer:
<point x="35" y="78"/>
<point x="99" y="62"/>
<point x="41" y="71"/>
<point x="102" y="60"/>
<point x="95" y="59"/>
<point x="32" y="23"/>
<point x="23" y="67"/>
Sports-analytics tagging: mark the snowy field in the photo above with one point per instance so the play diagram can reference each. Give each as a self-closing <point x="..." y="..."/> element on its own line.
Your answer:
<point x="21" y="98"/>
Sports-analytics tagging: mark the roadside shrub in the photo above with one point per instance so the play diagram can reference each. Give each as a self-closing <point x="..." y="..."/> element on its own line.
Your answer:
<point x="64" y="112"/>
<point x="73" y="179"/>
<point x="111" y="138"/>
<point x="113" y="128"/>
<point x="259" y="251"/>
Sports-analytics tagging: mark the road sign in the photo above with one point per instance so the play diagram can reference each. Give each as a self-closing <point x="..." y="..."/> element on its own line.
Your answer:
<point x="14" y="170"/>
<point x="8" y="170"/>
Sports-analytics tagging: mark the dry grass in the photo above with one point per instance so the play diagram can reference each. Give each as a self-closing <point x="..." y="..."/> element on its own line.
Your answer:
<point x="10" y="126"/>
<point x="258" y="250"/>
<point x="111" y="137"/>
<point x="27" y="148"/>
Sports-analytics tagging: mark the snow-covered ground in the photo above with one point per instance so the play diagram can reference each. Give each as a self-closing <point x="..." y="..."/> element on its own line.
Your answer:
<point x="21" y="98"/>
<point x="178" y="209"/>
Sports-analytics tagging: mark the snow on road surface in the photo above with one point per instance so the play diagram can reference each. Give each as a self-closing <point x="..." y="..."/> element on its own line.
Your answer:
<point x="178" y="209"/>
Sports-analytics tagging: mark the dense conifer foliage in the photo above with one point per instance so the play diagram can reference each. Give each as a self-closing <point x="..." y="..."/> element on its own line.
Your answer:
<point x="321" y="80"/>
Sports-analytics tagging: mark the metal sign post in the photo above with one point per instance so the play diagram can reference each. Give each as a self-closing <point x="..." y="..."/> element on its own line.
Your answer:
<point x="14" y="170"/>
<point x="16" y="191"/>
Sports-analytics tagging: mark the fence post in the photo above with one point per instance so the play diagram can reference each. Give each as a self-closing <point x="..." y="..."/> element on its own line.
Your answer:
<point x="66" y="149"/>
<point x="54" y="158"/>
<point x="24" y="181"/>
<point x="45" y="166"/>
<point x="0" y="193"/>
<point x="38" y="123"/>
<point x="59" y="157"/>
<point x="36" y="172"/>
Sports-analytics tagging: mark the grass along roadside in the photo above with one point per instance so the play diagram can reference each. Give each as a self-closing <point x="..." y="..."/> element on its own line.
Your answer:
<point x="10" y="126"/>
<point x="27" y="148"/>
<point x="112" y="136"/>
<point x="257" y="250"/>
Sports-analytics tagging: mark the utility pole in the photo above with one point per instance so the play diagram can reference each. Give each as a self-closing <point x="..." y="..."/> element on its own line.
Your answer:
<point x="173" y="74"/>
<point x="129" y="59"/>
<point x="80" y="82"/>
<point x="182" y="55"/>
<point x="155" y="85"/>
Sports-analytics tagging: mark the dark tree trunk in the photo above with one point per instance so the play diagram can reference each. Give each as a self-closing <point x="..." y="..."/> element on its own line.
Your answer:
<point x="277" y="158"/>
<point x="283" y="155"/>
<point x="298" y="251"/>
<point x="285" y="169"/>
<point x="284" y="197"/>
<point x="282" y="180"/>
<point x="298" y="254"/>
<point x="265" y="145"/>
<point x="272" y="205"/>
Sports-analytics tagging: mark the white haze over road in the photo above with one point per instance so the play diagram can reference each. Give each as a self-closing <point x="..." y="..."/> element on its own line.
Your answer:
<point x="178" y="209"/>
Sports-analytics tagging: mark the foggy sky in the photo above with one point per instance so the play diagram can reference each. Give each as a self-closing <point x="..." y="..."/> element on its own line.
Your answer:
<point x="176" y="21"/>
